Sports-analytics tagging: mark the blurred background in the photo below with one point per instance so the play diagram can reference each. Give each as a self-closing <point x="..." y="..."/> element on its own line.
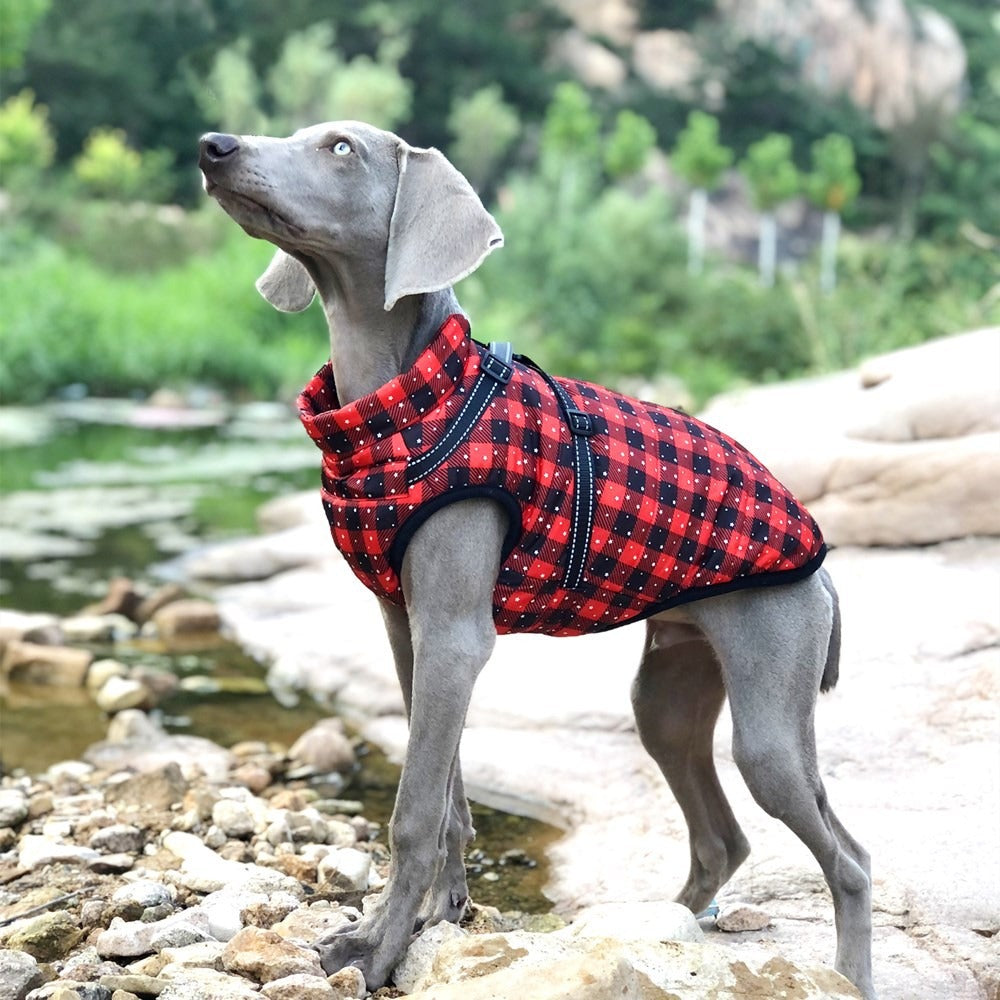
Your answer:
<point x="694" y="194"/>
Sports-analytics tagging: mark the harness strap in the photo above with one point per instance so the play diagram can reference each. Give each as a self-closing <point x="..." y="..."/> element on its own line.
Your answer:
<point x="495" y="370"/>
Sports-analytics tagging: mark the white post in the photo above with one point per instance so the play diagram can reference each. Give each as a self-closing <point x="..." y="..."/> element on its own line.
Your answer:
<point x="697" y="206"/>
<point x="828" y="251"/>
<point x="767" y="249"/>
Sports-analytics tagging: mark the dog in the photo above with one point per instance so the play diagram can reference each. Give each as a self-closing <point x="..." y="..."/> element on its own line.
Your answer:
<point x="381" y="231"/>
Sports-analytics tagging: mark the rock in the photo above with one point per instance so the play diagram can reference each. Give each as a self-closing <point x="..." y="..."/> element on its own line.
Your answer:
<point x="97" y="628"/>
<point x="203" y="955"/>
<point x="42" y="629"/>
<point x="121" y="599"/>
<point x="119" y="693"/>
<point x="185" y="617"/>
<point x="255" y="558"/>
<point x="32" y="663"/>
<point x="132" y="900"/>
<point x="119" y="838"/>
<point x="13" y="807"/>
<point x="264" y="956"/>
<point x="312" y="922"/>
<point x="36" y="850"/>
<point x="348" y="984"/>
<point x="111" y="864"/>
<point x="130" y="938"/>
<point x="70" y="989"/>
<point x="146" y="985"/>
<point x="207" y="984"/>
<point x="418" y="963"/>
<point x="650" y="921"/>
<point x="270" y="910"/>
<point x="299" y="987"/>
<point x="159" y="789"/>
<point x="102" y="670"/>
<point x="204" y="871"/>
<point x="133" y="727"/>
<point x="160" y="598"/>
<point x="253" y="776"/>
<point x="346" y="870"/>
<point x="324" y="747"/>
<point x="19" y="974"/>
<point x="743" y="917"/>
<point x="46" y="937"/>
<point x="234" y="819"/>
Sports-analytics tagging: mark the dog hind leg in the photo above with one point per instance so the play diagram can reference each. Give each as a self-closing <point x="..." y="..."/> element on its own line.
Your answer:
<point x="677" y="696"/>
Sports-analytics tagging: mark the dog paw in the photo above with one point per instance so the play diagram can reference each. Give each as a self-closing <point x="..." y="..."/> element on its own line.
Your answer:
<point x="349" y="946"/>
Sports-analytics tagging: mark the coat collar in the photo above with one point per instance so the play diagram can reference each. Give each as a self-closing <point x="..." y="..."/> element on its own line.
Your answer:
<point x="402" y="401"/>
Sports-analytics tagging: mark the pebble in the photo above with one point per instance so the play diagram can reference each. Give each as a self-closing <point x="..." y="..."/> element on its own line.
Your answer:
<point x="119" y="838"/>
<point x="19" y="973"/>
<point x="234" y="819"/>
<point x="346" y="869"/>
<point x="263" y="956"/>
<point x="35" y="850"/>
<point x="46" y="937"/>
<point x="324" y="747"/>
<point x="119" y="693"/>
<point x="299" y="987"/>
<point x="742" y="917"/>
<point x="13" y="807"/>
<point x="102" y="671"/>
<point x="347" y="984"/>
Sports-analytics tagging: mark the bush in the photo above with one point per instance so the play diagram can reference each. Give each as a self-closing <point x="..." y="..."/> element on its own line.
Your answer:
<point x="26" y="141"/>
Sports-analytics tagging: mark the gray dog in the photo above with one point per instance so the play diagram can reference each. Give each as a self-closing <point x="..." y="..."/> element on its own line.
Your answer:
<point x="381" y="231"/>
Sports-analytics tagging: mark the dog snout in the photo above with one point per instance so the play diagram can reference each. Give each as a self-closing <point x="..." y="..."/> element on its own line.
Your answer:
<point x="215" y="147"/>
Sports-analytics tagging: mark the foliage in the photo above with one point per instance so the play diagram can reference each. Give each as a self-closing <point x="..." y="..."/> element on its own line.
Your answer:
<point x="483" y="128"/>
<point x="629" y="145"/>
<point x="25" y="137"/>
<point x="231" y="95"/>
<point x="699" y="157"/>
<point x="772" y="173"/>
<point x="833" y="183"/>
<point x="17" y="19"/>
<point x="199" y="322"/>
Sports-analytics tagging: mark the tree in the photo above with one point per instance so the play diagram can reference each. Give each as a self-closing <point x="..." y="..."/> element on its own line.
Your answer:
<point x="700" y="159"/>
<point x="832" y="185"/>
<point x="483" y="127"/>
<point x="25" y="137"/>
<point x="17" y="19"/>
<point x="629" y="145"/>
<point x="773" y="178"/>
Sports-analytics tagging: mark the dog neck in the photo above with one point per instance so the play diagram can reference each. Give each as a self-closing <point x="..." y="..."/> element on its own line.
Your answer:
<point x="369" y="345"/>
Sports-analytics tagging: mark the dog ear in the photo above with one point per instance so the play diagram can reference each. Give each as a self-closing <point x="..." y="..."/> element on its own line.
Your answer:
<point x="286" y="284"/>
<point x="439" y="231"/>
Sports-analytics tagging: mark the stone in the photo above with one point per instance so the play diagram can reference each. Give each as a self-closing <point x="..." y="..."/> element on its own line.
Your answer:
<point x="47" y="937"/>
<point x="299" y="987"/>
<point x="185" y="617"/>
<point x="70" y="989"/>
<point x="158" y="789"/>
<point x="111" y="864"/>
<point x="207" y="984"/>
<point x="36" y="850"/>
<point x="41" y="629"/>
<point x="119" y="838"/>
<point x="324" y="747"/>
<point x="648" y="921"/>
<point x="418" y="963"/>
<point x="348" y="984"/>
<point x="201" y="955"/>
<point x="121" y="599"/>
<point x="13" y="807"/>
<point x="19" y="974"/>
<point x="124" y="939"/>
<point x="345" y="869"/>
<point x="253" y="776"/>
<point x="32" y="663"/>
<point x="101" y="670"/>
<point x="97" y="628"/>
<point x="202" y="870"/>
<point x="130" y="901"/>
<point x="742" y="917"/>
<point x="146" y="985"/>
<point x="119" y="693"/>
<point x="310" y="923"/>
<point x="270" y="910"/>
<point x="234" y="818"/>
<point x="160" y="598"/>
<point x="264" y="956"/>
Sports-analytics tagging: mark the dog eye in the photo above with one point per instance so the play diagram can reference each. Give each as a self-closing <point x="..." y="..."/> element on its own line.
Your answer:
<point x="342" y="148"/>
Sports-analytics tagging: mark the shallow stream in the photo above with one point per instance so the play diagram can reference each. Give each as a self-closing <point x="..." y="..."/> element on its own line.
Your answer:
<point x="94" y="489"/>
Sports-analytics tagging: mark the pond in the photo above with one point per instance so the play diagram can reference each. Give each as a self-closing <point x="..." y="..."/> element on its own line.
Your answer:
<point x="93" y="489"/>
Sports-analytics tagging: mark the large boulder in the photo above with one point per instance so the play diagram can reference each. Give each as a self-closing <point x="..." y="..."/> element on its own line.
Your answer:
<point x="903" y="451"/>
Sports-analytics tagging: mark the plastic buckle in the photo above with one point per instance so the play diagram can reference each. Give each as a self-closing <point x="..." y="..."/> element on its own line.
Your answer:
<point x="497" y="369"/>
<point x="580" y="423"/>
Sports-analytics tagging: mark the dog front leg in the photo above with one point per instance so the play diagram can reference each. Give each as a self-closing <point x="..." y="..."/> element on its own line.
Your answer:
<point x="448" y="578"/>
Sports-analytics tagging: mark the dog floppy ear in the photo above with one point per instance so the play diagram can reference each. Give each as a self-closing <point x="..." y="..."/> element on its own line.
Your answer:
<point x="439" y="231"/>
<point x="286" y="284"/>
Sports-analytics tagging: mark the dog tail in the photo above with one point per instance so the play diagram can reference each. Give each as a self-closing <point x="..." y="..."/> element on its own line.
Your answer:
<point x="831" y="672"/>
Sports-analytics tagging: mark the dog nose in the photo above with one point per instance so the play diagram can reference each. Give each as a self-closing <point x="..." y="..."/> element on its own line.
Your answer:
<point x="215" y="147"/>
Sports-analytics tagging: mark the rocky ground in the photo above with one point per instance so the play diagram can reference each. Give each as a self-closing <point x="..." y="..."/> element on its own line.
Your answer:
<point x="182" y="869"/>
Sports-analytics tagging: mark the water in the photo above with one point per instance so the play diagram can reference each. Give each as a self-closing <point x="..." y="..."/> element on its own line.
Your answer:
<point x="89" y="491"/>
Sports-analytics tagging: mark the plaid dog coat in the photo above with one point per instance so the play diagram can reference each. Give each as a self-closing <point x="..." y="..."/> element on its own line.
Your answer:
<point x="617" y="508"/>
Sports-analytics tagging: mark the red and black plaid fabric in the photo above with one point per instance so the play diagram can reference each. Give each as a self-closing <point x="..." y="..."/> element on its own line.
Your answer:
<point x="680" y="510"/>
